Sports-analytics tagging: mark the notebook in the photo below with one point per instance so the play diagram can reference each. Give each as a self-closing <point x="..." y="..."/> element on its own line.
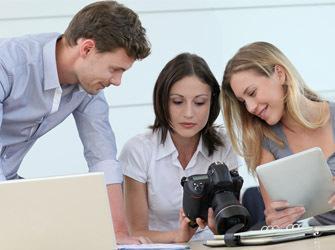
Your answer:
<point x="269" y="235"/>
<point x="303" y="179"/>
<point x="67" y="213"/>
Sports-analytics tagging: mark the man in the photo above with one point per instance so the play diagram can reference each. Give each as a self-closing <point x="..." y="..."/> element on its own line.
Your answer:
<point x="46" y="77"/>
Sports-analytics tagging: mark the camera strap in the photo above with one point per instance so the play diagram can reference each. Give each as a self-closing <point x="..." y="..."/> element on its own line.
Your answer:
<point x="230" y="239"/>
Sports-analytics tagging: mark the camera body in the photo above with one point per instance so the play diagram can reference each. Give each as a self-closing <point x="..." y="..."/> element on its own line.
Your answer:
<point x="219" y="189"/>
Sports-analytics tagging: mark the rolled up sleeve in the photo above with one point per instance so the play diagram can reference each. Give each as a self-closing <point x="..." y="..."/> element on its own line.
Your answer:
<point x="97" y="136"/>
<point x="111" y="169"/>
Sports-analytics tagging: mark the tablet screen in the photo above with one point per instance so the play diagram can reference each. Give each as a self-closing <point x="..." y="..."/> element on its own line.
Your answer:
<point x="302" y="179"/>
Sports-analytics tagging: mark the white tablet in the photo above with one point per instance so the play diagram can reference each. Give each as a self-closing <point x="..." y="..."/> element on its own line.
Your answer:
<point x="302" y="179"/>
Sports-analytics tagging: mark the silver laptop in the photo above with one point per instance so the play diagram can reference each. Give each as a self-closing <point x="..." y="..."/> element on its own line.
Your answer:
<point x="56" y="213"/>
<point x="303" y="179"/>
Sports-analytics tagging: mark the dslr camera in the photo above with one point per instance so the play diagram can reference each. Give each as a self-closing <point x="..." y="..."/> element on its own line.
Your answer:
<point x="219" y="189"/>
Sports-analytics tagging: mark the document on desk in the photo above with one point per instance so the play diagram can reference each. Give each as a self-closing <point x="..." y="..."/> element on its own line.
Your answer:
<point x="154" y="246"/>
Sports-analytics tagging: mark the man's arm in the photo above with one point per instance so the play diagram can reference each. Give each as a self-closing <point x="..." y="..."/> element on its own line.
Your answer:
<point x="116" y="203"/>
<point x="117" y="208"/>
<point x="4" y="91"/>
<point x="2" y="176"/>
<point x="98" y="139"/>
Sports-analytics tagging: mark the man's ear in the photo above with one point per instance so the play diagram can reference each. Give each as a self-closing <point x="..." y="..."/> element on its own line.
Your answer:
<point x="280" y="73"/>
<point x="86" y="46"/>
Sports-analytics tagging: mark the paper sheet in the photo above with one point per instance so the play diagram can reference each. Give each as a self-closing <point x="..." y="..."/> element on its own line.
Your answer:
<point x="153" y="246"/>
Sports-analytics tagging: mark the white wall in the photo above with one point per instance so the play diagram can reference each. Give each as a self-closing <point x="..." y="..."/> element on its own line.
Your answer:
<point x="214" y="29"/>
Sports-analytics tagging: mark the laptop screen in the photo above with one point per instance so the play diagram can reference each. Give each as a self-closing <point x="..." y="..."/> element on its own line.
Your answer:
<point x="68" y="212"/>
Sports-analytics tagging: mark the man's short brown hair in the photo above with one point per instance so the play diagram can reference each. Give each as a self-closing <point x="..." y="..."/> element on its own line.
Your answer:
<point x="111" y="25"/>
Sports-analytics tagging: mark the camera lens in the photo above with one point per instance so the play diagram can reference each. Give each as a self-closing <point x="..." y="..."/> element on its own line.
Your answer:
<point x="228" y="212"/>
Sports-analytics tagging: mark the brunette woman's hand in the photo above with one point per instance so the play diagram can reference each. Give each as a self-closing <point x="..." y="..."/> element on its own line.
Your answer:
<point x="185" y="232"/>
<point x="210" y="221"/>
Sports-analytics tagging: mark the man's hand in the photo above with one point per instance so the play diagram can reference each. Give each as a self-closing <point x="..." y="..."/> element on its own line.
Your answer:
<point x="119" y="219"/>
<point x="124" y="238"/>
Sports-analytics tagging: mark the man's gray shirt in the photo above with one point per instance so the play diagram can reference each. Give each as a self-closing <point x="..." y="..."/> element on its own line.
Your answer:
<point x="28" y="85"/>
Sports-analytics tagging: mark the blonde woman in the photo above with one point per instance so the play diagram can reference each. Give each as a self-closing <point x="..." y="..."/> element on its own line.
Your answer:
<point x="271" y="113"/>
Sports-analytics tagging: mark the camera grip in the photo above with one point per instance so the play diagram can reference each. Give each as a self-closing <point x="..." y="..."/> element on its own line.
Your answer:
<point x="195" y="200"/>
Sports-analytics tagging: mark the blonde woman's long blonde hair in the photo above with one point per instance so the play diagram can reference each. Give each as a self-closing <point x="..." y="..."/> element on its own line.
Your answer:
<point x="247" y="131"/>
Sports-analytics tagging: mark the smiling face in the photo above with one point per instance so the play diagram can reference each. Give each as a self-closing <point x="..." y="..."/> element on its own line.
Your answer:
<point x="99" y="70"/>
<point x="189" y="106"/>
<point x="263" y="96"/>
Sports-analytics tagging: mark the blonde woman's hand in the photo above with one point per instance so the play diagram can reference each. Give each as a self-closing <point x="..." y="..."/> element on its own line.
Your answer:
<point x="280" y="214"/>
<point x="332" y="199"/>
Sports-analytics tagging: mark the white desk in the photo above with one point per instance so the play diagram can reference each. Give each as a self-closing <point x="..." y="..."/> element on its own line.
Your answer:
<point x="317" y="243"/>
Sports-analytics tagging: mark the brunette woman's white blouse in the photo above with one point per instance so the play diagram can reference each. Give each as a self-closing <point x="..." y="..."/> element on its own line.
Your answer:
<point x="145" y="159"/>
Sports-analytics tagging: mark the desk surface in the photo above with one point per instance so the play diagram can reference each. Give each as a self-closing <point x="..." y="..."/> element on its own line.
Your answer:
<point x="317" y="243"/>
